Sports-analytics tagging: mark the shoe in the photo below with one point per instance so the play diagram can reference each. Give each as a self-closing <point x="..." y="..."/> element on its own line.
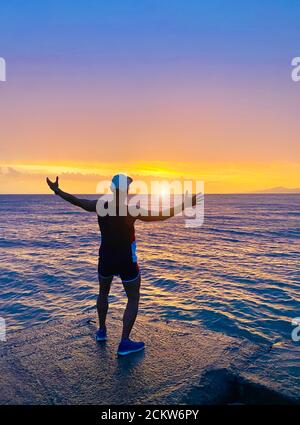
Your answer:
<point x="127" y="346"/>
<point x="101" y="335"/>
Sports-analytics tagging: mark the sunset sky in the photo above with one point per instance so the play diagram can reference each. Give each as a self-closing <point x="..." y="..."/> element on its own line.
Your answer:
<point x="154" y="88"/>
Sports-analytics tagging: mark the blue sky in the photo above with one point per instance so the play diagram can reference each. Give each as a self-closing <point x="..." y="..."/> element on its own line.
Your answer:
<point x="229" y="32"/>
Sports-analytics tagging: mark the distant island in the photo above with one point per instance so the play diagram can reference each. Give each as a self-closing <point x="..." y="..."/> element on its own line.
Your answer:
<point x="279" y="190"/>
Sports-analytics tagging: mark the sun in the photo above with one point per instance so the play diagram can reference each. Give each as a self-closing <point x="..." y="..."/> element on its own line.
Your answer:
<point x="164" y="192"/>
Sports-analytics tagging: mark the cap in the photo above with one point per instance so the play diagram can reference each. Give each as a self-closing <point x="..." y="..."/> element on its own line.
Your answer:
<point x="121" y="182"/>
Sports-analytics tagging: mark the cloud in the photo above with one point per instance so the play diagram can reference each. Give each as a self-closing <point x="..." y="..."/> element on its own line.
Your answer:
<point x="9" y="171"/>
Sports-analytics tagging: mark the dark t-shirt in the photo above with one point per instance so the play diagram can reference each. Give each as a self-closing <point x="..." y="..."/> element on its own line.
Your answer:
<point x="117" y="239"/>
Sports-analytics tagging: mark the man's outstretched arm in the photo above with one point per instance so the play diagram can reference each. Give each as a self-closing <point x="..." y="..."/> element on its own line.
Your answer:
<point x="86" y="204"/>
<point x="164" y="215"/>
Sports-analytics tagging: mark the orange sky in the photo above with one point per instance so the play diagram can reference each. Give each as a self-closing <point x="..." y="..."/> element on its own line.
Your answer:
<point x="217" y="177"/>
<point x="232" y="139"/>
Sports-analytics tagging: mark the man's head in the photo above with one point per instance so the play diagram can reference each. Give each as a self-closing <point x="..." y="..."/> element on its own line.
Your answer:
<point x="120" y="182"/>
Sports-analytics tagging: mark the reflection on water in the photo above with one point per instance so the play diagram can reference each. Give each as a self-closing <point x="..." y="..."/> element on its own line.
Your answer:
<point x="238" y="274"/>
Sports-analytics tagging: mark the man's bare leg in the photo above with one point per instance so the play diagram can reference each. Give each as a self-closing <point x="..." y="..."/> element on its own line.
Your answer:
<point x="132" y="290"/>
<point x="102" y="301"/>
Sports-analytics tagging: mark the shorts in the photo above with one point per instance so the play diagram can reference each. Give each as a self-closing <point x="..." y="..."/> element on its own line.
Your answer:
<point x="128" y="271"/>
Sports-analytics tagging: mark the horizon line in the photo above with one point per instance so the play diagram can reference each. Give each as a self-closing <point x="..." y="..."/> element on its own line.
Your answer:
<point x="210" y="193"/>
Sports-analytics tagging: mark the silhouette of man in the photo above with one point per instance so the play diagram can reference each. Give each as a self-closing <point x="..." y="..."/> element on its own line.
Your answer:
<point x="117" y="254"/>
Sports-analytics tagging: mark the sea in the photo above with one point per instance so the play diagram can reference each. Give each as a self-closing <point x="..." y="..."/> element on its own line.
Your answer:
<point x="238" y="273"/>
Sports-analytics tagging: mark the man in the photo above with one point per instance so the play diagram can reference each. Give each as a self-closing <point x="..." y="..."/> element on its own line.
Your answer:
<point x="117" y="256"/>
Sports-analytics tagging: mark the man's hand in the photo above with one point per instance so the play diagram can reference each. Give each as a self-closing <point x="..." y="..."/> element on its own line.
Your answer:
<point x="188" y="198"/>
<point x="53" y="185"/>
<point x="86" y="204"/>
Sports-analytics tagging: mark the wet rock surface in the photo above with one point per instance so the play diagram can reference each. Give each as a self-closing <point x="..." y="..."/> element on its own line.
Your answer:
<point x="60" y="363"/>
